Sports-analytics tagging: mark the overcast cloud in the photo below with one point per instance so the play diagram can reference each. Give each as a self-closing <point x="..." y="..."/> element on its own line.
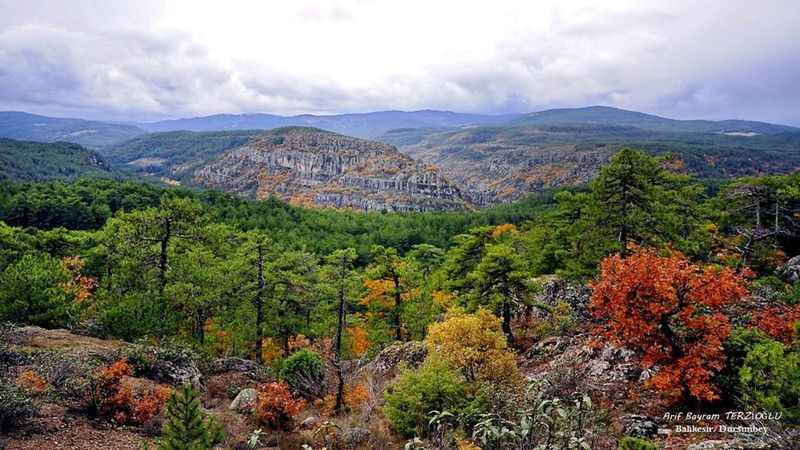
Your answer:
<point x="144" y="60"/>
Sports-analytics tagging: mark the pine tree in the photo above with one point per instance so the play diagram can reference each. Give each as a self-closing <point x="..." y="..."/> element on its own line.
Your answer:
<point x="187" y="427"/>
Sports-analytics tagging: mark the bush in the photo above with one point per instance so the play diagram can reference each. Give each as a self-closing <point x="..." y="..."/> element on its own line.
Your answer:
<point x="33" y="292"/>
<point x="106" y="394"/>
<point x="165" y="362"/>
<point x="276" y="406"/>
<point x="635" y="443"/>
<point x="475" y="345"/>
<point x="304" y="372"/>
<point x="770" y="379"/>
<point x="432" y="387"/>
<point x="737" y="346"/>
<point x="15" y="407"/>
<point x="32" y="382"/>
<point x="568" y="424"/>
<point x="187" y="427"/>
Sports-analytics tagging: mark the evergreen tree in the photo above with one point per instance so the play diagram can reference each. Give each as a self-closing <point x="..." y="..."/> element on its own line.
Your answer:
<point x="187" y="428"/>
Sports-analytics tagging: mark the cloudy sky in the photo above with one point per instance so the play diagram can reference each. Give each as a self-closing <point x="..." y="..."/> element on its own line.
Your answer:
<point x="146" y="60"/>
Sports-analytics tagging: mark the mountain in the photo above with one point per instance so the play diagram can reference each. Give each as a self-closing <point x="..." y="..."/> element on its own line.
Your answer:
<point x="174" y="154"/>
<point x="35" y="161"/>
<point x="499" y="164"/>
<point x="365" y="125"/>
<point x="605" y="115"/>
<point x="89" y="133"/>
<point x="312" y="167"/>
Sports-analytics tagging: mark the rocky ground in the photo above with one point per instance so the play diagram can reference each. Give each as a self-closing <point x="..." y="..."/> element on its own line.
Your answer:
<point x="570" y="362"/>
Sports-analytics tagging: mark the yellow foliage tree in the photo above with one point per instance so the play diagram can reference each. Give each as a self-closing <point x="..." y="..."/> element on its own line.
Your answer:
<point x="475" y="345"/>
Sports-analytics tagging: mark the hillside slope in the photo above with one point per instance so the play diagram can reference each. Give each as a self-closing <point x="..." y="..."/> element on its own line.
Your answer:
<point x="36" y="161"/>
<point x="312" y="167"/>
<point x="605" y="115"/>
<point x="174" y="154"/>
<point x="499" y="164"/>
<point x="89" y="133"/>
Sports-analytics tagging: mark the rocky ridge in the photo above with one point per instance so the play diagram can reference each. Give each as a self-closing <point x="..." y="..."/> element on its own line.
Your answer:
<point x="311" y="167"/>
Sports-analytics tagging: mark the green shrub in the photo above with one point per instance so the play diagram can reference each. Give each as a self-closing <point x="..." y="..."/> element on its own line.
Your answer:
<point x="770" y="378"/>
<point x="15" y="407"/>
<point x="304" y="372"/>
<point x="432" y="387"/>
<point x="187" y="427"/>
<point x="737" y="346"/>
<point x="158" y="361"/>
<point x="33" y="292"/>
<point x="635" y="443"/>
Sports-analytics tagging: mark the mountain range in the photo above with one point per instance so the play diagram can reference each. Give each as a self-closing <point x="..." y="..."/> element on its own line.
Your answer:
<point x="416" y="160"/>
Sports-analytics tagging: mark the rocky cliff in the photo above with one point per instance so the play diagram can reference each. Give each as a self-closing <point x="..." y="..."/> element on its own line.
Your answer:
<point x="311" y="167"/>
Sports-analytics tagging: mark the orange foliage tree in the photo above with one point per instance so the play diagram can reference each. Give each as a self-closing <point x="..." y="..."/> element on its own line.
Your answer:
<point x="778" y="322"/>
<point x="124" y="403"/>
<point x="79" y="285"/>
<point x="670" y="310"/>
<point x="276" y="406"/>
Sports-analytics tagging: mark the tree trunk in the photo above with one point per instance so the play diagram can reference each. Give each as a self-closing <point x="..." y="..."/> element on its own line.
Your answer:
<point x="199" y="330"/>
<point x="507" y="323"/>
<point x="339" y="331"/>
<point x="398" y="324"/>
<point x="163" y="261"/>
<point x="259" y="304"/>
<point x="163" y="264"/>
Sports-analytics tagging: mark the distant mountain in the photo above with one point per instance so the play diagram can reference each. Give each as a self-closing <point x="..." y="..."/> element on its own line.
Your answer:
<point x="312" y="167"/>
<point x="498" y="164"/>
<point x="361" y="125"/>
<point x="174" y="154"/>
<point x="36" y="161"/>
<point x="89" y="133"/>
<point x="605" y="115"/>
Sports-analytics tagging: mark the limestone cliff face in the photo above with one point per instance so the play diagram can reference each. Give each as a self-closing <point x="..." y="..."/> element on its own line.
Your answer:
<point x="311" y="167"/>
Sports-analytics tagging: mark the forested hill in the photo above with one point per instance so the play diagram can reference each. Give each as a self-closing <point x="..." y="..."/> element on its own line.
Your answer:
<point x="549" y="314"/>
<point x="175" y="153"/>
<point x="89" y="133"/>
<point x="605" y="115"/>
<point x="87" y="204"/>
<point x="32" y="161"/>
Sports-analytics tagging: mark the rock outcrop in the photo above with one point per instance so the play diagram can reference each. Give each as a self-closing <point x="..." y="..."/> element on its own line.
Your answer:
<point x="311" y="167"/>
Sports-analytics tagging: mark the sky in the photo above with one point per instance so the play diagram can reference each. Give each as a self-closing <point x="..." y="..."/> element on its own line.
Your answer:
<point x="147" y="60"/>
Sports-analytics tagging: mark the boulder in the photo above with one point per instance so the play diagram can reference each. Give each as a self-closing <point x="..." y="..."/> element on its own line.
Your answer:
<point x="410" y="353"/>
<point x="638" y="425"/>
<point x="309" y="422"/>
<point x="221" y="365"/>
<point x="613" y="364"/>
<point x="176" y="373"/>
<point x="556" y="290"/>
<point x="353" y="437"/>
<point x="732" y="444"/>
<point x="245" y="400"/>
<point x="790" y="272"/>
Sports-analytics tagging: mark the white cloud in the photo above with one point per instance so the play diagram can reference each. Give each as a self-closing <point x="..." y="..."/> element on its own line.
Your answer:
<point x="142" y="60"/>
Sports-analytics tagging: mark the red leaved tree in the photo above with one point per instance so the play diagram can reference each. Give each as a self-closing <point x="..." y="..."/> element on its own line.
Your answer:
<point x="670" y="310"/>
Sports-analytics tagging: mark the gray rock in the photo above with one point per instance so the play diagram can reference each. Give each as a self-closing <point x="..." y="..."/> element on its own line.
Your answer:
<point x="309" y="422"/>
<point x="638" y="425"/>
<point x="355" y="436"/>
<point x="732" y="444"/>
<point x="614" y="364"/>
<point x="221" y="365"/>
<point x="245" y="400"/>
<point x="179" y="374"/>
<point x="411" y="353"/>
<point x="790" y="272"/>
<point x="556" y="290"/>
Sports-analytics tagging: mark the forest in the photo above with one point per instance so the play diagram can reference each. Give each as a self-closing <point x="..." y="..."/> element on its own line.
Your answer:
<point x="696" y="280"/>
